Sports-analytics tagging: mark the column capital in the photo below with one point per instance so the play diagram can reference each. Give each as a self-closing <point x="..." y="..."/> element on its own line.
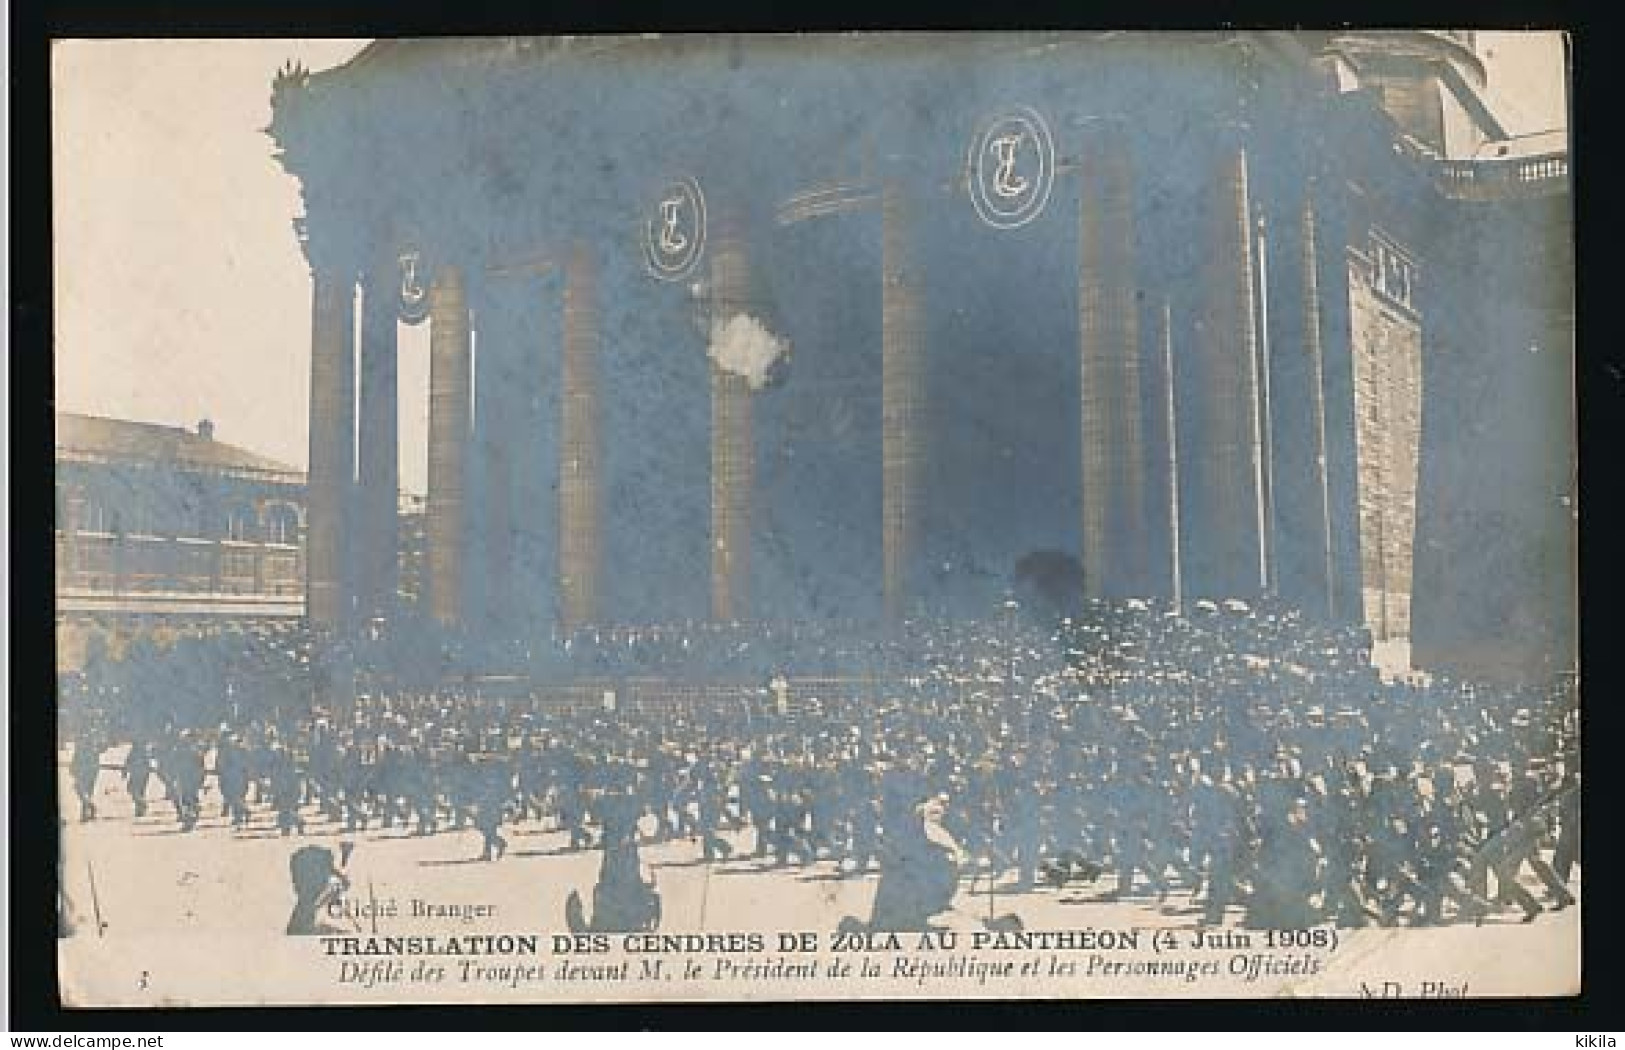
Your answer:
<point x="330" y="267"/>
<point x="331" y="251"/>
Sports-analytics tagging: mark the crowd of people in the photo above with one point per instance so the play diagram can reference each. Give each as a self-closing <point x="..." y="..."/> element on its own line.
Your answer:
<point x="1240" y="754"/>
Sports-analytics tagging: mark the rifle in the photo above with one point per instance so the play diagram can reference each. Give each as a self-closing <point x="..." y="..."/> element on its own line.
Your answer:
<point x="95" y="900"/>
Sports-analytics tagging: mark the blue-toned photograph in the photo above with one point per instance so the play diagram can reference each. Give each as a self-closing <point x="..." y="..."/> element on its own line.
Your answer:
<point x="879" y="515"/>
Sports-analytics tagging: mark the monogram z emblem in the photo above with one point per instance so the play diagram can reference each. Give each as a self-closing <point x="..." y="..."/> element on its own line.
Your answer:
<point x="414" y="290"/>
<point x="674" y="232"/>
<point x="1011" y="169"/>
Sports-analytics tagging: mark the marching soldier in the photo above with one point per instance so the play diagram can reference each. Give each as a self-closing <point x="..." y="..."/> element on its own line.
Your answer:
<point x="187" y="779"/>
<point x="494" y="792"/>
<point x="1567" y="852"/>
<point x="286" y="790"/>
<point x="422" y="787"/>
<point x="1287" y="873"/>
<point x="1024" y="831"/>
<point x="571" y="778"/>
<point x="231" y="774"/>
<point x="532" y="780"/>
<point x="1218" y="838"/>
<point x="322" y="776"/>
<point x="355" y="784"/>
<point x="1443" y="855"/>
<point x="138" y="774"/>
<point x="86" y="766"/>
<point x="1336" y="825"/>
<point x="711" y="792"/>
<point x="1504" y="844"/>
<point x="755" y="798"/>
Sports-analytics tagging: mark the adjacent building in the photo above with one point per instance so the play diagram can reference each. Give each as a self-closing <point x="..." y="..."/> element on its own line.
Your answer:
<point x="165" y="525"/>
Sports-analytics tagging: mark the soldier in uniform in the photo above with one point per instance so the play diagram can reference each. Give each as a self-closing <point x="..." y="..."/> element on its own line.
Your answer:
<point x="1539" y="816"/>
<point x="1443" y="856"/>
<point x="355" y="784"/>
<point x="493" y="793"/>
<point x="863" y="816"/>
<point x="422" y="789"/>
<point x="1504" y="844"/>
<point x="1521" y="847"/>
<point x="532" y="779"/>
<point x="659" y="789"/>
<point x="1566" y="854"/>
<point x="164" y="751"/>
<point x="824" y="788"/>
<point x="1336" y="824"/>
<point x="321" y="778"/>
<point x="571" y="778"/>
<point x="257" y="750"/>
<point x="711" y="793"/>
<point x="1024" y="831"/>
<point x="387" y="782"/>
<point x="1218" y="838"/>
<point x="231" y="773"/>
<point x="1287" y="873"/>
<point x="188" y="779"/>
<point x="85" y="766"/>
<point x="286" y="789"/>
<point x="138" y="768"/>
<point x="755" y="798"/>
<point x="1130" y="829"/>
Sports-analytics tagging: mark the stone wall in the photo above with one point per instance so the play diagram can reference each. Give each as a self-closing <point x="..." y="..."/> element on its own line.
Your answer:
<point x="1386" y="337"/>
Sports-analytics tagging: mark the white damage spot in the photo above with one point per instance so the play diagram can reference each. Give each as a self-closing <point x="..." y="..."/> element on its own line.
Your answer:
<point x="743" y="346"/>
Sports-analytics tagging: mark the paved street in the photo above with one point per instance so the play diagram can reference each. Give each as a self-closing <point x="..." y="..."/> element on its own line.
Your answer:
<point x="152" y="878"/>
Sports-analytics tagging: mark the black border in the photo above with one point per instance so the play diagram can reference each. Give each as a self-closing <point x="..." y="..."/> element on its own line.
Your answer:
<point x="1600" y="373"/>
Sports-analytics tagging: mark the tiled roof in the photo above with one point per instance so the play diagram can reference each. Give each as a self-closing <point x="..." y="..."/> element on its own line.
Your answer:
<point x="100" y="437"/>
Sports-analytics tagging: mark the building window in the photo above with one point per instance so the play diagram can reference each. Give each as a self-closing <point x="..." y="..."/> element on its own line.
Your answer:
<point x="139" y="519"/>
<point x="281" y="524"/>
<point x="93" y="518"/>
<point x="240" y="524"/>
<point x="196" y="518"/>
<point x="1392" y="273"/>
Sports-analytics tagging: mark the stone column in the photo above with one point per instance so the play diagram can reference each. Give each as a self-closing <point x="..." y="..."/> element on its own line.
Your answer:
<point x="378" y="459"/>
<point x="579" y="526"/>
<point x="900" y="401"/>
<point x="328" y="601"/>
<point x="449" y="419"/>
<point x="1170" y="421"/>
<point x="1322" y="516"/>
<point x="530" y="505"/>
<point x="512" y="441"/>
<point x="495" y="444"/>
<point x="1114" y="524"/>
<point x="497" y="526"/>
<point x="1229" y="483"/>
<point x="732" y="446"/>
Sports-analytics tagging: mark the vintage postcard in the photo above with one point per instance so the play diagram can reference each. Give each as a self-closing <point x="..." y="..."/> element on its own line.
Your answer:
<point x="634" y="518"/>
